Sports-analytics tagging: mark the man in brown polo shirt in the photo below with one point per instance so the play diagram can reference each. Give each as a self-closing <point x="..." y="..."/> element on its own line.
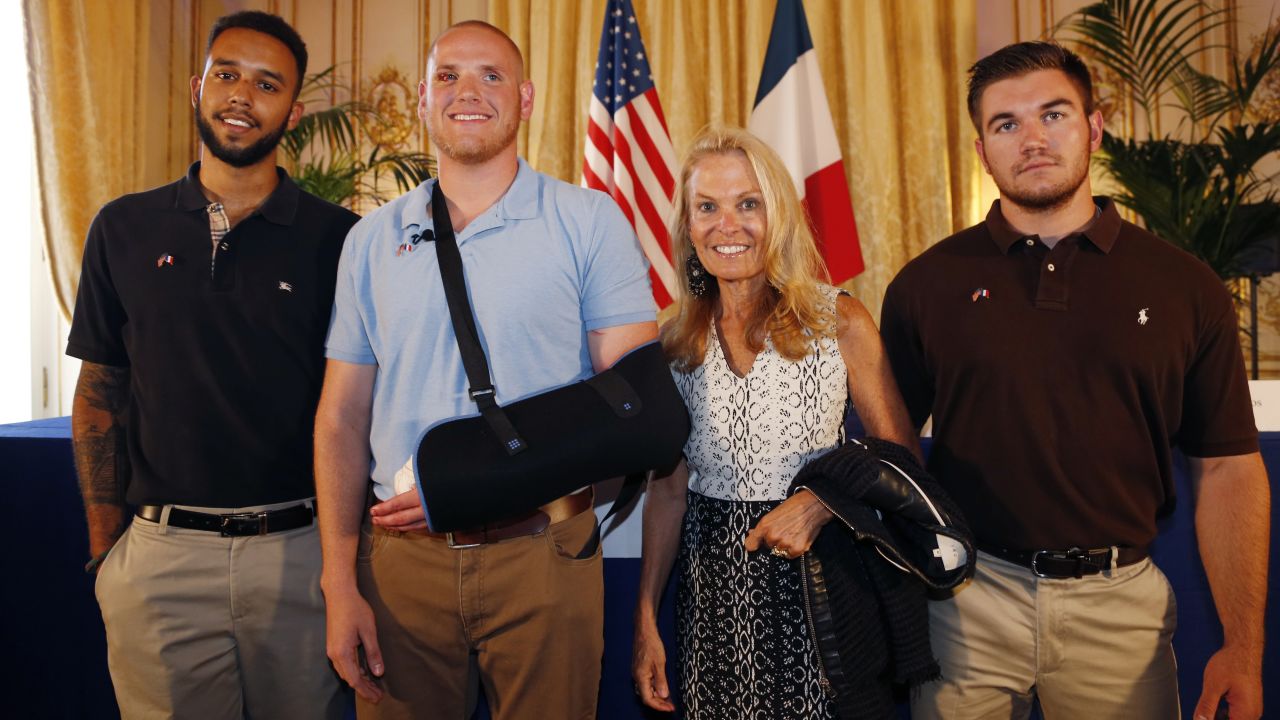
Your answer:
<point x="1062" y="352"/>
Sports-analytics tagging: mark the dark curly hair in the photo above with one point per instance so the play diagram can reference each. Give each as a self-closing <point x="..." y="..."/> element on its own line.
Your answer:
<point x="267" y="24"/>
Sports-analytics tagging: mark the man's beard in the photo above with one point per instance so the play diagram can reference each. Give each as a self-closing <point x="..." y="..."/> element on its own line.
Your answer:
<point x="473" y="153"/>
<point x="1050" y="198"/>
<point x="234" y="156"/>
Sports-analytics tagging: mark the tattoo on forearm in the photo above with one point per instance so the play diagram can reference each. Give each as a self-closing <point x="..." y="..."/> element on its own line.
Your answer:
<point x="101" y="453"/>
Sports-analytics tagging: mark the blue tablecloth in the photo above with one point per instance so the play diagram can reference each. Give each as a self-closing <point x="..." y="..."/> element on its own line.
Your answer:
<point x="53" y="631"/>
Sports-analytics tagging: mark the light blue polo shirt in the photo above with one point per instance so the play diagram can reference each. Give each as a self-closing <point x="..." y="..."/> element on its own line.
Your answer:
<point x="544" y="265"/>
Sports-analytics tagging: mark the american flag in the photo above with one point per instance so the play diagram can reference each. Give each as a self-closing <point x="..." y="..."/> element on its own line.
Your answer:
<point x="628" y="151"/>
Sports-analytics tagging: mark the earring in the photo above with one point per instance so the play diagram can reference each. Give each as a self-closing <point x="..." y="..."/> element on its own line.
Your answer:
<point x="699" y="278"/>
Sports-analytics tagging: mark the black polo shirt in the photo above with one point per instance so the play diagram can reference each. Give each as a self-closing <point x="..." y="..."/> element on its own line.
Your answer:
<point x="225" y="361"/>
<point x="1059" y="380"/>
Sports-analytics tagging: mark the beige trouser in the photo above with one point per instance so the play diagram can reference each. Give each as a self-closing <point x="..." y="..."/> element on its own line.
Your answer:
<point x="218" y="628"/>
<point x="1097" y="647"/>
<point x="521" y="616"/>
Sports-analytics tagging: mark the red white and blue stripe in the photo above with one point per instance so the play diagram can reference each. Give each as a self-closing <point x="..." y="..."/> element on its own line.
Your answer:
<point x="628" y="149"/>
<point x="791" y="115"/>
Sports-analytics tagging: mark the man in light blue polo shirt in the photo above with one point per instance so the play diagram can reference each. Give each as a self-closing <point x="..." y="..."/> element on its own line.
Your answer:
<point x="560" y="290"/>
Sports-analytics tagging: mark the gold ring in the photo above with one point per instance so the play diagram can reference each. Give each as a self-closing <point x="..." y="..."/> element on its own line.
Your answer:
<point x="779" y="552"/>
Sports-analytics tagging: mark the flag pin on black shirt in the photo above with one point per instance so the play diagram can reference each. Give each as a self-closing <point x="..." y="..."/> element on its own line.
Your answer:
<point x="166" y="259"/>
<point x="980" y="294"/>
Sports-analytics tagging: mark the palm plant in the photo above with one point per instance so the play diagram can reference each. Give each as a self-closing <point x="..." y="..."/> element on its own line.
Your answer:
<point x="1205" y="194"/>
<point x="325" y="152"/>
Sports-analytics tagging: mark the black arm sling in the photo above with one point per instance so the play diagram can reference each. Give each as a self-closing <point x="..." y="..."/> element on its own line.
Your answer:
<point x="624" y="421"/>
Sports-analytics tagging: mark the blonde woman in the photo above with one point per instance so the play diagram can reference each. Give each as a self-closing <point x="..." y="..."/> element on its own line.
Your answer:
<point x="767" y="357"/>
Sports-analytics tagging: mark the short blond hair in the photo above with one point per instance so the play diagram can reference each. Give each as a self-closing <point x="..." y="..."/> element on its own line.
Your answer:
<point x="482" y="25"/>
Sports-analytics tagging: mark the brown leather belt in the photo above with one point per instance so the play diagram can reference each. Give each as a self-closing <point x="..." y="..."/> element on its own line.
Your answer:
<point x="530" y="523"/>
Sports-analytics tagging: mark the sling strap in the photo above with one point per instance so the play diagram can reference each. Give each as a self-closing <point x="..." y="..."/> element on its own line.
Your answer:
<point x="480" y="388"/>
<point x="618" y="394"/>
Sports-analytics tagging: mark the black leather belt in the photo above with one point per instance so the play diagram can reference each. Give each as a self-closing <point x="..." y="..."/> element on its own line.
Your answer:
<point x="1071" y="563"/>
<point x="233" y="524"/>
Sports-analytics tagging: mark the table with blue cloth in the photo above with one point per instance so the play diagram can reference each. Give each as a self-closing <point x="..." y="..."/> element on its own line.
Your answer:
<point x="57" y="651"/>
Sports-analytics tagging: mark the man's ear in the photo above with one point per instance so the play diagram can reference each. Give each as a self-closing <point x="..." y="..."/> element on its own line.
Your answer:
<point x="526" y="99"/>
<point x="295" y="114"/>
<point x="982" y="154"/>
<point x="195" y="91"/>
<point x="1095" y="130"/>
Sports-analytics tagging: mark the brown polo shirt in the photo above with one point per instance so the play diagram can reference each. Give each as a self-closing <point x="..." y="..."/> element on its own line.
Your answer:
<point x="1059" y="380"/>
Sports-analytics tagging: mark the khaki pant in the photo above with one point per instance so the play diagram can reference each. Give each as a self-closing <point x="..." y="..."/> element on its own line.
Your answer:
<point x="211" y="627"/>
<point x="523" y="617"/>
<point x="1097" y="647"/>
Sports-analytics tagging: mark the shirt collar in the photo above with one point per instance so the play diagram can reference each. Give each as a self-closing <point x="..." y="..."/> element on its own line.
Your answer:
<point x="281" y="206"/>
<point x="520" y="202"/>
<point x="1102" y="231"/>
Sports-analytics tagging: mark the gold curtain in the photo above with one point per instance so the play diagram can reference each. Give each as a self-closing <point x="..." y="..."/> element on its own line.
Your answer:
<point x="93" y="94"/>
<point x="894" y="74"/>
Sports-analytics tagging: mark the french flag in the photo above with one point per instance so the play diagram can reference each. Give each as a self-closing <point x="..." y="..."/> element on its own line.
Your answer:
<point x="791" y="115"/>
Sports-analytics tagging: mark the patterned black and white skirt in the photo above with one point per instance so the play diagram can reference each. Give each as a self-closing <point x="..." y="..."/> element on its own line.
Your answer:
<point x="745" y="650"/>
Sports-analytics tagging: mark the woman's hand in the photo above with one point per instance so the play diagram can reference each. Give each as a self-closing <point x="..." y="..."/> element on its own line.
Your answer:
<point x="791" y="527"/>
<point x="649" y="667"/>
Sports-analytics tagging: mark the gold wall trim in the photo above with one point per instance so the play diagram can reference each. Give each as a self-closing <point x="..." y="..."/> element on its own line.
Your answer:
<point x="168" y="117"/>
<point x="357" y="44"/>
<point x="420" y="70"/>
<point x="1233" y="28"/>
<point x="193" y="139"/>
<point x="333" y="46"/>
<point x="1017" y="21"/>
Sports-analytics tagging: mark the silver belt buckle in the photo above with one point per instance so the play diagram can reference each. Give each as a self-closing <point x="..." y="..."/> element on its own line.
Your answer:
<point x="1035" y="559"/>
<point x="226" y="521"/>
<point x="448" y="538"/>
<point x="1079" y="555"/>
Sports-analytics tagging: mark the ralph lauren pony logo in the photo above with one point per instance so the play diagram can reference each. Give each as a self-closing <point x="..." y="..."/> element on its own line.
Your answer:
<point x="412" y="242"/>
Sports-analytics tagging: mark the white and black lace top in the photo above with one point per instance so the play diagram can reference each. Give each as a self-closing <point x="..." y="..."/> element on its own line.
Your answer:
<point x="750" y="435"/>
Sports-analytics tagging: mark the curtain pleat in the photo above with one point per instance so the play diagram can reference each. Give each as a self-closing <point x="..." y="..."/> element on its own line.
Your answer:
<point x="89" y="133"/>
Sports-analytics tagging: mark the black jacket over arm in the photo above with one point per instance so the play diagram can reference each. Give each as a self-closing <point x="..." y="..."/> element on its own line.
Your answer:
<point x="869" y="619"/>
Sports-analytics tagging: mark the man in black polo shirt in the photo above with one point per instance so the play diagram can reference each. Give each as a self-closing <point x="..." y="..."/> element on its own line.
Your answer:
<point x="1062" y="352"/>
<point x="200" y="319"/>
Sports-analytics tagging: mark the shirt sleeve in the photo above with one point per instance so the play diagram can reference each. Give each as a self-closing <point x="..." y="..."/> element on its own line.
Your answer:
<point x="900" y="332"/>
<point x="97" y="325"/>
<point x="348" y="338"/>
<point x="615" y="286"/>
<point x="1217" y="409"/>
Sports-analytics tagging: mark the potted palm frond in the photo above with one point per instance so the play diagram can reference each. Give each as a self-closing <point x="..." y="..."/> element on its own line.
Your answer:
<point x="338" y="154"/>
<point x="1200" y="186"/>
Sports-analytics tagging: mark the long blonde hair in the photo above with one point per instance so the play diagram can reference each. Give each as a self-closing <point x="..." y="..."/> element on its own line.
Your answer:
<point x="793" y="310"/>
